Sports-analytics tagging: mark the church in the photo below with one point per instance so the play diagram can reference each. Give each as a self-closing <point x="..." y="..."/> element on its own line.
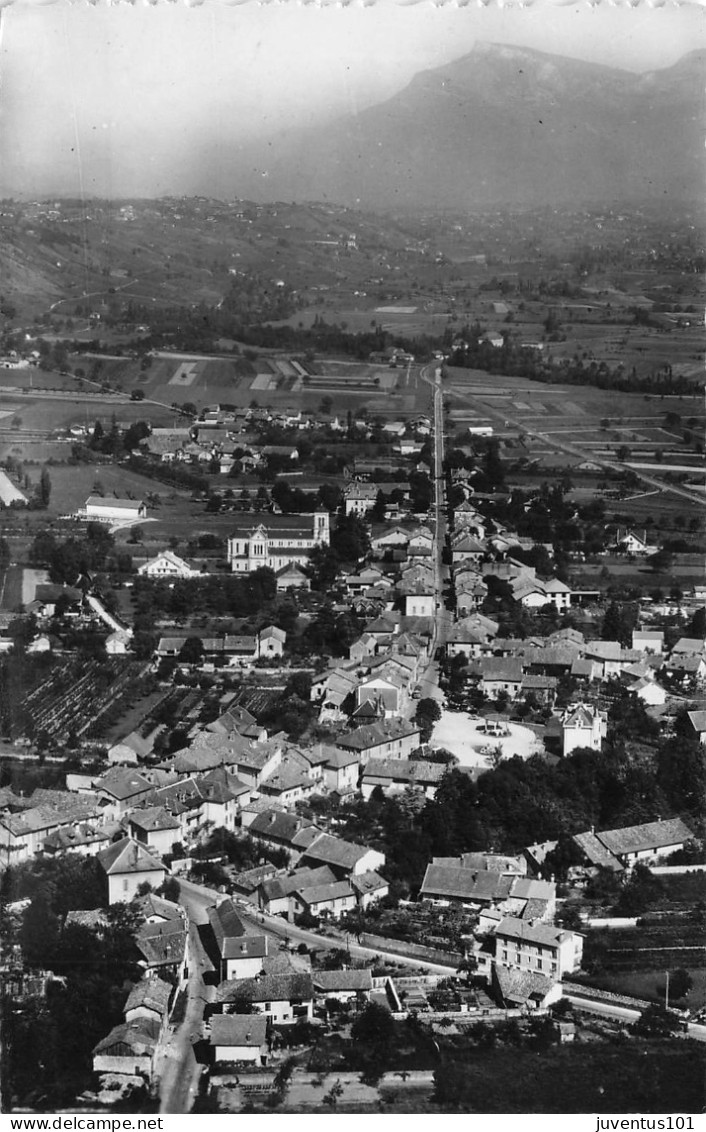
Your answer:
<point x="276" y="541"/>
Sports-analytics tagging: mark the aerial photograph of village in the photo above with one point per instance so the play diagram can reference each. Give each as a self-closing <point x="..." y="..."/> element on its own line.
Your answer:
<point x="352" y="560"/>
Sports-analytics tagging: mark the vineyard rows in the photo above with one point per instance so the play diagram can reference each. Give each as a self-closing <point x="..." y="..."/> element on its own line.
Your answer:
<point x="77" y="693"/>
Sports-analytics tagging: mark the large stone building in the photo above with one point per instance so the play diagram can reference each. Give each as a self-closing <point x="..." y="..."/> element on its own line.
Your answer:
<point x="276" y="541"/>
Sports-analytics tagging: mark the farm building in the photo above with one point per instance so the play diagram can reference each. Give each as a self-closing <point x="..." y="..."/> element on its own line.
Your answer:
<point x="109" y="510"/>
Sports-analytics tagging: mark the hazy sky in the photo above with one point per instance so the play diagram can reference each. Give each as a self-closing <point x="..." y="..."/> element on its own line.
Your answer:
<point x="124" y="100"/>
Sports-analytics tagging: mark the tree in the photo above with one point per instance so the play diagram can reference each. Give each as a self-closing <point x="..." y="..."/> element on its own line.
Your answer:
<point x="44" y="487"/>
<point x="656" y="1022"/>
<point x="374" y="1027"/>
<point x="191" y="651"/>
<point x="680" y="983"/>
<point x="427" y="714"/>
<point x="662" y="561"/>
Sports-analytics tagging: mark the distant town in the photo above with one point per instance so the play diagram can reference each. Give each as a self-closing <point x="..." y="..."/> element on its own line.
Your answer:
<point x="352" y="659"/>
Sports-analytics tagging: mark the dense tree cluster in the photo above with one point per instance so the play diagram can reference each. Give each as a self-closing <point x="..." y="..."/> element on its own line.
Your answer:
<point x="520" y="802"/>
<point x="223" y="595"/>
<point x="49" y="1040"/>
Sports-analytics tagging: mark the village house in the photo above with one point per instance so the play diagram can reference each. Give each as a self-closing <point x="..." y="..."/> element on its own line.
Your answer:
<point x="359" y="498"/>
<point x="128" y="865"/>
<point x="583" y="726"/>
<point x="238" y="1039"/>
<point x="155" y="828"/>
<point x="148" y="999"/>
<point x="167" y="564"/>
<point x="241" y="955"/>
<point x="622" y="848"/>
<point x="354" y="986"/>
<point x="283" y="831"/>
<point x="283" y="998"/>
<point x="341" y="771"/>
<point x="396" y="775"/>
<point x="330" y="899"/>
<point x="629" y="542"/>
<point x="391" y="739"/>
<point x="291" y="577"/>
<point x="343" y="857"/>
<point x="274" y="893"/>
<point x="539" y="948"/>
<point x="499" y="675"/>
<point x="650" y="641"/>
<point x="129" y="1049"/>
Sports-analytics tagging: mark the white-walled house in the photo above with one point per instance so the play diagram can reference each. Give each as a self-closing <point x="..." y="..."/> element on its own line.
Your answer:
<point x="539" y="948"/>
<point x="280" y="998"/>
<point x="241" y="955"/>
<point x="167" y="564"/>
<point x="127" y="865"/>
<point x="155" y="828"/>
<point x="239" y="1038"/>
<point x="583" y="726"/>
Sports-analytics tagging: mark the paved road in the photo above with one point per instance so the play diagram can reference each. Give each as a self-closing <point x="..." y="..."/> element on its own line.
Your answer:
<point x="197" y="899"/>
<point x="626" y="1014"/>
<point x="429" y="683"/>
<point x="178" y="1070"/>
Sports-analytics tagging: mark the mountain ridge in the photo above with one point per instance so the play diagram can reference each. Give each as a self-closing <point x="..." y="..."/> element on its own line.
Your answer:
<point x="501" y="124"/>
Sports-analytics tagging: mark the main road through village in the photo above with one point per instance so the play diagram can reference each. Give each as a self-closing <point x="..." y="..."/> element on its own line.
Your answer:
<point x="179" y="1069"/>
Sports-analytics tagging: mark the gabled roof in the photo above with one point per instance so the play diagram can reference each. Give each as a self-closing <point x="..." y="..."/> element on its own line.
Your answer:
<point x="225" y="921"/>
<point x="153" y="818"/>
<point x="284" y="827"/>
<point x="596" y="852"/>
<point x="689" y="645"/>
<point x="465" y="884"/>
<point x="150" y="993"/>
<point x="579" y="715"/>
<point x="239" y="1030"/>
<point x="278" y="888"/>
<point x="403" y="770"/>
<point x="163" y="944"/>
<point x="357" y="980"/>
<point x="499" y="668"/>
<point x="120" y="504"/>
<point x="336" y="852"/>
<point x="698" y="720"/>
<point x="649" y="835"/>
<point x="123" y="784"/>
<point x="128" y="856"/>
<point x="140" y="1036"/>
<point x="322" y="893"/>
<point x="268" y="988"/>
<point x="544" y="934"/>
<point x="337" y="758"/>
<point x="365" y="883"/>
<point x="517" y="987"/>
<point x="604" y="650"/>
<point x="363" y="738"/>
